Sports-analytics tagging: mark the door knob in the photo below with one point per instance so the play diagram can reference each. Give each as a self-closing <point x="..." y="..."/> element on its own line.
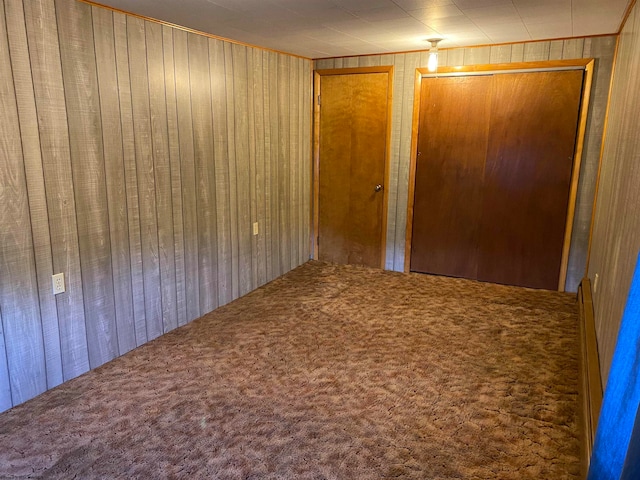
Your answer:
<point x="378" y="188"/>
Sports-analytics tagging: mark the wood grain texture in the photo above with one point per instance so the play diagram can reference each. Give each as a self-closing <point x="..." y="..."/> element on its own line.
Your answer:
<point x="187" y="174"/>
<point x="237" y="76"/>
<point x="223" y="180"/>
<point x="601" y="48"/>
<point x="18" y="284"/>
<point x="616" y="230"/>
<point x="204" y="171"/>
<point x="5" y="383"/>
<point x="452" y="145"/>
<point x="527" y="177"/>
<point x="104" y="41"/>
<point x="87" y="161"/>
<point x="283" y="163"/>
<point x="352" y="161"/>
<point x="513" y="53"/>
<point x="131" y="176"/>
<point x="162" y="174"/>
<point x="233" y="172"/>
<point x="146" y="176"/>
<point x="23" y="82"/>
<point x="176" y="179"/>
<point x="44" y="54"/>
<point x="141" y="154"/>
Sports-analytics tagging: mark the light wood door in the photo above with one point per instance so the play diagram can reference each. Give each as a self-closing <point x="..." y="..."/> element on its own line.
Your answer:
<point x="352" y="161"/>
<point x="493" y="174"/>
<point x="452" y="146"/>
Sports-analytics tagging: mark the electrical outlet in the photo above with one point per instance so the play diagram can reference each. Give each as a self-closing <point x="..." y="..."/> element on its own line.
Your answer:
<point x="255" y="228"/>
<point x="595" y="282"/>
<point x="58" y="283"/>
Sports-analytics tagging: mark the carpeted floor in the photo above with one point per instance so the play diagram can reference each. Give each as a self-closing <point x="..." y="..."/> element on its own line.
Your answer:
<point x="330" y="372"/>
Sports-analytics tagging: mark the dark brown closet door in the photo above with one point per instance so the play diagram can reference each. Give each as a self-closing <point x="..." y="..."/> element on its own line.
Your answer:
<point x="527" y="177"/>
<point x="452" y="146"/>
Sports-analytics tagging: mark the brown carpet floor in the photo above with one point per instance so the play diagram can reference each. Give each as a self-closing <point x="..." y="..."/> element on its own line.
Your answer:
<point x="330" y="372"/>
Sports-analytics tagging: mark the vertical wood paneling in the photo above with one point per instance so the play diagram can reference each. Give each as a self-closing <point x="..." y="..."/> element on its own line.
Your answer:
<point x="23" y="83"/>
<point x="500" y="54"/>
<point x="284" y="173"/>
<point x="412" y="61"/>
<point x="44" y="53"/>
<point x="223" y="180"/>
<point x="137" y="158"/>
<point x="616" y="229"/>
<point x="268" y="171"/>
<point x="555" y="49"/>
<point x="187" y="173"/>
<point x="162" y="174"/>
<point x="87" y="161"/>
<point x="114" y="176"/>
<point x="601" y="48"/>
<point x="304" y="102"/>
<point x="204" y="168"/>
<point x="536" y="51"/>
<point x="294" y="164"/>
<point x="233" y="173"/>
<point x="477" y="56"/>
<point x="239" y="79"/>
<point x="5" y="383"/>
<point x="517" y="52"/>
<point x="257" y="87"/>
<point x="454" y="57"/>
<point x="274" y="174"/>
<point x="395" y="158"/>
<point x="176" y="179"/>
<point x="572" y="48"/>
<point x="252" y="117"/>
<point x="131" y="176"/>
<point x="146" y="175"/>
<point x="18" y="284"/>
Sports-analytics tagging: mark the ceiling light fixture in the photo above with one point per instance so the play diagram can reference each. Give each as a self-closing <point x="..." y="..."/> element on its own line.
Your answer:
<point x="432" y="64"/>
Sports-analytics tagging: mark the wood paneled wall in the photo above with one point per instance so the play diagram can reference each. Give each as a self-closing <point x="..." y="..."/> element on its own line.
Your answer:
<point x="600" y="48"/>
<point x="135" y="157"/>
<point x="616" y="229"/>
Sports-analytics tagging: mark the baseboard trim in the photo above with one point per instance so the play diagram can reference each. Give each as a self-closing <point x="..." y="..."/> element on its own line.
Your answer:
<point x="591" y="383"/>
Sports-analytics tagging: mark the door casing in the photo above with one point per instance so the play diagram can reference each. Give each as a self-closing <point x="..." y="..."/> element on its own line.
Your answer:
<point x="318" y="74"/>
<point x="586" y="64"/>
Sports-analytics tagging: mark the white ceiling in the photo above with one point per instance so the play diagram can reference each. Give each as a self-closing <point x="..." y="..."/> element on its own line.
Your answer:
<point x="330" y="28"/>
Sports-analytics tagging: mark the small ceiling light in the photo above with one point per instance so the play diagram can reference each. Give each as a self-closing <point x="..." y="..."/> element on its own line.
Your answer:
<point x="432" y="64"/>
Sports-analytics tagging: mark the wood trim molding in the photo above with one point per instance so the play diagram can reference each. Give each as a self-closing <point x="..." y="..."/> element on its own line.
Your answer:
<point x="585" y="63"/>
<point x="590" y="379"/>
<point x="412" y="168"/>
<point x="317" y="75"/>
<point x="189" y="30"/>
<point x="575" y="174"/>
<point x="625" y="17"/>
<point x="483" y="45"/>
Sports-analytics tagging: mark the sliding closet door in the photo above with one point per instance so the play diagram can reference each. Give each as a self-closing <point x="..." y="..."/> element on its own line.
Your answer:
<point x="452" y="144"/>
<point x="527" y="177"/>
<point x="493" y="173"/>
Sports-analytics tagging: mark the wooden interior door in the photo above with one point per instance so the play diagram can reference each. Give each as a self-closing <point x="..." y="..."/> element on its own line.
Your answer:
<point x="493" y="176"/>
<point x="452" y="146"/>
<point x="352" y="163"/>
<point x="527" y="177"/>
